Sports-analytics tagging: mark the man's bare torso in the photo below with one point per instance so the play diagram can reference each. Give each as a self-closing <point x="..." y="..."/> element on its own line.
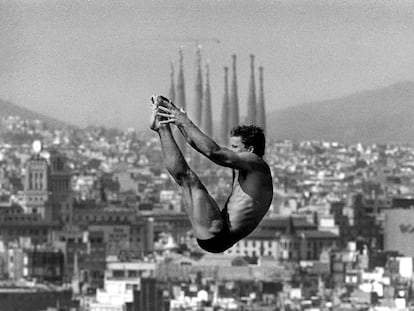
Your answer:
<point x="250" y="199"/>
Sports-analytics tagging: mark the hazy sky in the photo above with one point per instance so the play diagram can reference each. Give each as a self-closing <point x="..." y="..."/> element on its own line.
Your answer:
<point x="99" y="61"/>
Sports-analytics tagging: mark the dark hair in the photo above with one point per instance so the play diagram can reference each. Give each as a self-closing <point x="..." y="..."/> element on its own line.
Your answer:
<point x="251" y="135"/>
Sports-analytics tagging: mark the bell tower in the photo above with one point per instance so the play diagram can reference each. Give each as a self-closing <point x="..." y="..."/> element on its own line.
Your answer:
<point x="36" y="182"/>
<point x="60" y="198"/>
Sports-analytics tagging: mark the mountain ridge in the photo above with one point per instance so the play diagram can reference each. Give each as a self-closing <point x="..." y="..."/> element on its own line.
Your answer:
<point x="10" y="109"/>
<point x="369" y="116"/>
<point x="381" y="115"/>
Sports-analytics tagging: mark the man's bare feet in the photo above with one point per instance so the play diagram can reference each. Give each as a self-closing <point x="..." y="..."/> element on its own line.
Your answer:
<point x="159" y="100"/>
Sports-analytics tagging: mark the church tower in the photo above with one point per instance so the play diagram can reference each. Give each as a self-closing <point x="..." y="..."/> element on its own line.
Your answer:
<point x="251" y="97"/>
<point x="198" y="103"/>
<point x="47" y="186"/>
<point x="198" y="96"/>
<point x="234" y="99"/>
<point x="207" y="119"/>
<point x="180" y="102"/>
<point x="61" y="198"/>
<point x="225" y="110"/>
<point x="36" y="182"/>
<point x="171" y="93"/>
<point x="261" y="110"/>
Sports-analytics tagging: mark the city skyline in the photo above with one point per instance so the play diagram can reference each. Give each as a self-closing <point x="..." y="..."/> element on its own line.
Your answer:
<point x="99" y="62"/>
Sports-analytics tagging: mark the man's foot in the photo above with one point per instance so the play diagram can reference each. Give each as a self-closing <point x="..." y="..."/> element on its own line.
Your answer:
<point x="156" y="102"/>
<point x="159" y="100"/>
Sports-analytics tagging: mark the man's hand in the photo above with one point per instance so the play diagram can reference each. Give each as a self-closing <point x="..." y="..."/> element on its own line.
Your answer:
<point x="173" y="115"/>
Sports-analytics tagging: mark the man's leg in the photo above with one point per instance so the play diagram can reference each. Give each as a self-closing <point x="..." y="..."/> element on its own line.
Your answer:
<point x="205" y="216"/>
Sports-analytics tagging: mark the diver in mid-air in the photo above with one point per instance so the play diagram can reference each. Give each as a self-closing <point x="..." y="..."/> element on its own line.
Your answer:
<point x="215" y="228"/>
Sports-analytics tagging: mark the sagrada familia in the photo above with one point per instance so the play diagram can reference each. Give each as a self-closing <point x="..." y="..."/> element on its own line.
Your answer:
<point x="230" y="114"/>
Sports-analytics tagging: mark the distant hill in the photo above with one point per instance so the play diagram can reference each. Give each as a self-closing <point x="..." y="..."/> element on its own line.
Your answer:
<point x="9" y="109"/>
<point x="374" y="116"/>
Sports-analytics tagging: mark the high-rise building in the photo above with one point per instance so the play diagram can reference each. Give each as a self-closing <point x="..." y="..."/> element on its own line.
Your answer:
<point x="234" y="99"/>
<point x="225" y="110"/>
<point x="261" y="110"/>
<point x="251" y="97"/>
<point x="150" y="296"/>
<point x="45" y="265"/>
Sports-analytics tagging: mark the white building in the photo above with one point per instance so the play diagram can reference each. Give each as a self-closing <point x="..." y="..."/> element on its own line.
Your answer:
<point x="121" y="279"/>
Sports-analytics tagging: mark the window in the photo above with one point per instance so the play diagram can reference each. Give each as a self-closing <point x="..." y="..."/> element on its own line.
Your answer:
<point x="118" y="273"/>
<point x="132" y="273"/>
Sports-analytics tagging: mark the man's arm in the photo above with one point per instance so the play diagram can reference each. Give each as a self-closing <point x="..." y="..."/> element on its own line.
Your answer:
<point x="204" y="144"/>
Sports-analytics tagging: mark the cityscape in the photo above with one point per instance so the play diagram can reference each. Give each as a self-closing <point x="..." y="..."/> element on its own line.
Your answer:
<point x="91" y="219"/>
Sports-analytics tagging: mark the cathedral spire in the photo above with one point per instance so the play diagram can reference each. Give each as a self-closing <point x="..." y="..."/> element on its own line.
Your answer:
<point x="225" y="109"/>
<point x="171" y="94"/>
<point x="207" y="119"/>
<point x="198" y="99"/>
<point x="261" y="110"/>
<point x="251" y="97"/>
<point x="234" y="100"/>
<point x="180" y="101"/>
